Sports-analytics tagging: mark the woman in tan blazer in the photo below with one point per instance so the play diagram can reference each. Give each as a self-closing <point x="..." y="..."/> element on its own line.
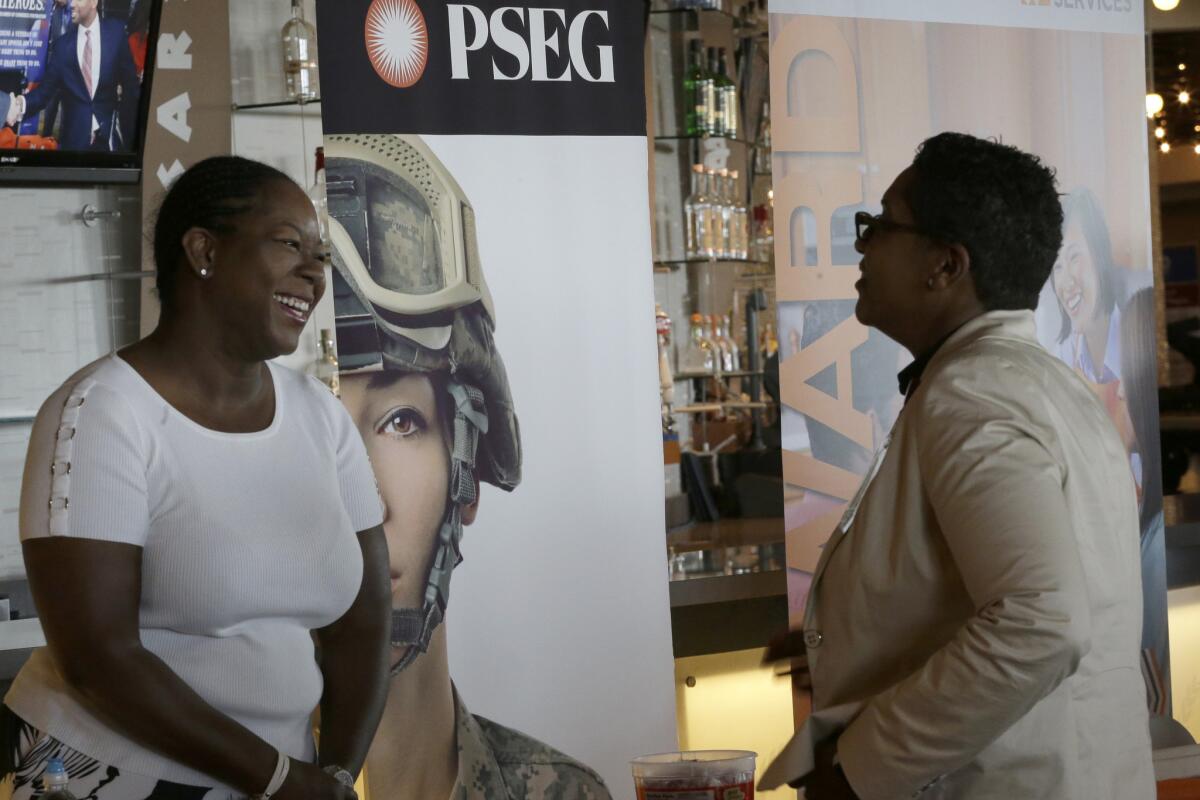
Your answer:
<point x="973" y="626"/>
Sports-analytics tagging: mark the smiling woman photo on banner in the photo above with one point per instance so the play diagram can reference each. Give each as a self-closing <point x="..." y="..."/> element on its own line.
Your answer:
<point x="1090" y="290"/>
<point x="427" y="388"/>
<point x="1099" y="324"/>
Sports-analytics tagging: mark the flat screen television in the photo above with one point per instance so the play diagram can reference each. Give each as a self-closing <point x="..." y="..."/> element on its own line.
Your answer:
<point x="75" y="89"/>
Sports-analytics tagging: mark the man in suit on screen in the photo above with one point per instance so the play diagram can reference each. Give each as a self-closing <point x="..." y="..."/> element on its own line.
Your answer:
<point x="91" y="71"/>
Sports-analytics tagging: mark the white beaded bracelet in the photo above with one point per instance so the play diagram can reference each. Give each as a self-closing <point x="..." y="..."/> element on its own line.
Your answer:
<point x="282" y="764"/>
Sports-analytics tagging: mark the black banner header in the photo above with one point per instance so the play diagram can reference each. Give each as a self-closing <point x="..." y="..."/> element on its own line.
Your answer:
<point x="565" y="67"/>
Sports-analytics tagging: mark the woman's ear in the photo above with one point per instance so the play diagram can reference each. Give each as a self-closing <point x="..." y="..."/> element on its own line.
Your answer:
<point x="469" y="512"/>
<point x="953" y="265"/>
<point x="200" y="250"/>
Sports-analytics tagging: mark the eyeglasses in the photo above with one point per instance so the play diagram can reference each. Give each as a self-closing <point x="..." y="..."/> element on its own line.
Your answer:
<point x="866" y="224"/>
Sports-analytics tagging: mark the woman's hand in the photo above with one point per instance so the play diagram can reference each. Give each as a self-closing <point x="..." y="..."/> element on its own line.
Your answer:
<point x="354" y="661"/>
<point x="827" y="781"/>
<point x="309" y="782"/>
<point x="789" y="656"/>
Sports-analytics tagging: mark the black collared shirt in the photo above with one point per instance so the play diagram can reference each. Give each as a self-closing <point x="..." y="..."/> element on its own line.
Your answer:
<point x="910" y="376"/>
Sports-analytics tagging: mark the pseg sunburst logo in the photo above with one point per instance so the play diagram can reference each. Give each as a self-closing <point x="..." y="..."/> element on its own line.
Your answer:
<point x="397" y="41"/>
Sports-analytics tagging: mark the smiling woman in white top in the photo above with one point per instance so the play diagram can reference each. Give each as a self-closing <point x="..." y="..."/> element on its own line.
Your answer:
<point x="193" y="518"/>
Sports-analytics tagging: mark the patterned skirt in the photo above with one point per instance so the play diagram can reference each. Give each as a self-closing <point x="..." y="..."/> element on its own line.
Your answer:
<point x="24" y="751"/>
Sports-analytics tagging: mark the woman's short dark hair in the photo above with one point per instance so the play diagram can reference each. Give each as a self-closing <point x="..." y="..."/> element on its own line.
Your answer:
<point x="208" y="195"/>
<point x="998" y="202"/>
<point x="1082" y="205"/>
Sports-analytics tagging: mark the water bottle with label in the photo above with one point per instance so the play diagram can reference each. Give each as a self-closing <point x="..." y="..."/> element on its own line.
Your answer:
<point x="55" y="780"/>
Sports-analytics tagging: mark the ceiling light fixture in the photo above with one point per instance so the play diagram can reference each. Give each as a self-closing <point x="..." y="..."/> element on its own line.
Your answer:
<point x="1166" y="5"/>
<point x="1154" y="104"/>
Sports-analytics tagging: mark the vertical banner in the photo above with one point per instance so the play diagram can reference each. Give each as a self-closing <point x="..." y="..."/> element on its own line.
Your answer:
<point x="190" y="116"/>
<point x="486" y="170"/>
<point x="856" y="85"/>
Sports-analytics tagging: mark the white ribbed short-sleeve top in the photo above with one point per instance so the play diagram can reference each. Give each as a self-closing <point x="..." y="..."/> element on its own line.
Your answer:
<point x="248" y="544"/>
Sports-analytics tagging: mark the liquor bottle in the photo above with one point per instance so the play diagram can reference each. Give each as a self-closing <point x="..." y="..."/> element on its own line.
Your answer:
<point x="723" y="345"/>
<point x="691" y="215"/>
<point x="735" y="351"/>
<point x="714" y="344"/>
<point x="663" y="326"/>
<point x="710" y="211"/>
<point x="725" y="244"/>
<point x="698" y="355"/>
<point x="325" y="367"/>
<point x="727" y="100"/>
<point x="693" y="218"/>
<point x="713" y="113"/>
<point x="762" y="144"/>
<point x="764" y="235"/>
<point x="300" y="56"/>
<point x="769" y="344"/>
<point x="739" y="221"/>
<point x="666" y="376"/>
<point x="695" y="90"/>
<point x="55" y="780"/>
<point x="317" y="194"/>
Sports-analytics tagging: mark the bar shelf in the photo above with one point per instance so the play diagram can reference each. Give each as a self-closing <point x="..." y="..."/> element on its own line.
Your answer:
<point x="275" y="104"/>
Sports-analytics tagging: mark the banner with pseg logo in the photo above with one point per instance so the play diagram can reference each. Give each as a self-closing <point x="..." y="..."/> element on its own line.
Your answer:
<point x="486" y="180"/>
<point x="484" y="68"/>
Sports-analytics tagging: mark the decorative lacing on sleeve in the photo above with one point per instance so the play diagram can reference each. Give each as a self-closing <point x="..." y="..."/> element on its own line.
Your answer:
<point x="60" y="467"/>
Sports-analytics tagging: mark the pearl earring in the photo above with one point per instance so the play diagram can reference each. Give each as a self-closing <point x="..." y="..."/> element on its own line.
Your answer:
<point x="203" y="272"/>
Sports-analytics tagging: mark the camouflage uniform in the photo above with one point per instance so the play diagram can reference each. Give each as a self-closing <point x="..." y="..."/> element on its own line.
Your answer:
<point x="499" y="763"/>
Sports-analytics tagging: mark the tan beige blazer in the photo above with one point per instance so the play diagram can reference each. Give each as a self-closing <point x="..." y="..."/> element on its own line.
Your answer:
<point x="976" y="626"/>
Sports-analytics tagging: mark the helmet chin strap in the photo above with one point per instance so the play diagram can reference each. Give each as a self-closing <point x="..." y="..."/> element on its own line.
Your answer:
<point x="412" y="628"/>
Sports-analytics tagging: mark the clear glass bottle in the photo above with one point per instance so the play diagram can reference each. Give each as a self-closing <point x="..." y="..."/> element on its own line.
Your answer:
<point x="663" y="326"/>
<point x="736" y="351"/>
<point x="666" y="375"/>
<point x="325" y="367"/>
<point x="318" y="195"/>
<point x="715" y="342"/>
<point x="764" y="236"/>
<point x="758" y="246"/>
<point x="710" y="212"/>
<point x="762" y="144"/>
<point x="698" y="357"/>
<point x="725" y="206"/>
<point x="693" y="216"/>
<point x="299" y="56"/>
<point x="723" y="345"/>
<point x="739" y="221"/>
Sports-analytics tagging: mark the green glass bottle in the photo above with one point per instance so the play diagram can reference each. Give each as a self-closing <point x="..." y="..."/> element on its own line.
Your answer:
<point x="695" y="91"/>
